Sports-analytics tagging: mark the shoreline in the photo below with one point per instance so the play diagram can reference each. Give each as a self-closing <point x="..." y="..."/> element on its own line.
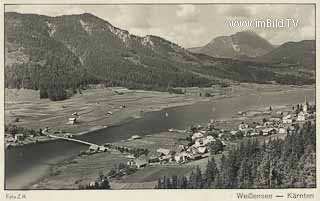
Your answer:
<point x="118" y="123"/>
<point x="171" y="103"/>
<point x="160" y="107"/>
<point x="47" y="173"/>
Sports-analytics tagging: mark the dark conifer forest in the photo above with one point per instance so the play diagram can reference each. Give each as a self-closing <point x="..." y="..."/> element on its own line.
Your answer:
<point x="278" y="163"/>
<point x="60" y="55"/>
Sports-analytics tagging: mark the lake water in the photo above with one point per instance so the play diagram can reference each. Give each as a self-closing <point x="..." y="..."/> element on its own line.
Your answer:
<point x="29" y="163"/>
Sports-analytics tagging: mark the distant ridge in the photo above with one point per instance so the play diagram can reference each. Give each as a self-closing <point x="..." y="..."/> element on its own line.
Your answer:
<point x="246" y="43"/>
<point x="60" y="54"/>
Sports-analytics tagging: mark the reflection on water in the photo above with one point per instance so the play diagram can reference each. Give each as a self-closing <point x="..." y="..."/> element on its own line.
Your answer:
<point x="27" y="164"/>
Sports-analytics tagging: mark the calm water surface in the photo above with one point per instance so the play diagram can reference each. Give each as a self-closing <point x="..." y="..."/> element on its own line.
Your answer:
<point x="29" y="163"/>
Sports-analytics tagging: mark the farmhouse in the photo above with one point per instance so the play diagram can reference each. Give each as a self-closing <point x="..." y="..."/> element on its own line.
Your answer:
<point x="140" y="162"/>
<point x="163" y="152"/>
<point x="72" y="120"/>
<point x="282" y="130"/>
<point x="181" y="157"/>
<point x="302" y="116"/>
<point x="19" y="137"/>
<point x="268" y="131"/>
<point x="242" y="126"/>
<point x="287" y="119"/>
<point x="196" y="136"/>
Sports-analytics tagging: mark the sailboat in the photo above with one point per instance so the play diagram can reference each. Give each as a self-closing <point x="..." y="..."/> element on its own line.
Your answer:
<point x="166" y="114"/>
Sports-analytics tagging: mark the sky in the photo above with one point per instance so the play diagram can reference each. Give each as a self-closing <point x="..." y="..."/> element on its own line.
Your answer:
<point x="192" y="25"/>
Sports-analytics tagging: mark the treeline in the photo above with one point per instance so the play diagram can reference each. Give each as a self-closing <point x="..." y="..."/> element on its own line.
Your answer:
<point x="136" y="152"/>
<point x="278" y="163"/>
<point x="294" y="80"/>
<point x="101" y="183"/>
<point x="14" y="129"/>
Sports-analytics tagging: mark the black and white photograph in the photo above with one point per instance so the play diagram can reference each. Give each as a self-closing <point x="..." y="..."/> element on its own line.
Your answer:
<point x="160" y="96"/>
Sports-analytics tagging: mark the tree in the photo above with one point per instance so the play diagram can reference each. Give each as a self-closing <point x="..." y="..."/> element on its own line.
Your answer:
<point x="211" y="174"/>
<point x="198" y="178"/>
<point x="216" y="146"/>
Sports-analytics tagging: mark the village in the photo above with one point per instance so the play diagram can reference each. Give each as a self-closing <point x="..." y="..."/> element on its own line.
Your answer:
<point x="204" y="141"/>
<point x="174" y="149"/>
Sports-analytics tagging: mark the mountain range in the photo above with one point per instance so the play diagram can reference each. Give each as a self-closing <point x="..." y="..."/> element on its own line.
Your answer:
<point x="249" y="46"/>
<point x="55" y="54"/>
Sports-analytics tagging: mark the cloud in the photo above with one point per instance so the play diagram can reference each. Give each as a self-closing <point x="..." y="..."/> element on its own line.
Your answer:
<point x="236" y="11"/>
<point x="188" y="13"/>
<point x="133" y="16"/>
<point x="52" y="10"/>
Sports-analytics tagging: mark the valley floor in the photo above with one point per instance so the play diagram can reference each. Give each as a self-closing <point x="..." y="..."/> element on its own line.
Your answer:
<point x="96" y="109"/>
<point x="93" y="107"/>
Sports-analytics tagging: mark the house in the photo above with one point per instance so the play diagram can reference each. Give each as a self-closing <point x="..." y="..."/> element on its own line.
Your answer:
<point x="202" y="150"/>
<point x="19" y="137"/>
<point x="196" y="136"/>
<point x="130" y="156"/>
<point x="199" y="142"/>
<point x="287" y="119"/>
<point x="94" y="148"/>
<point x="165" y="155"/>
<point x="204" y="141"/>
<point x="154" y="157"/>
<point x="68" y="135"/>
<point x="302" y="116"/>
<point x="10" y="139"/>
<point x="254" y="134"/>
<point x="193" y="150"/>
<point x="275" y="119"/>
<point x="242" y="126"/>
<point x="179" y="149"/>
<point x="267" y="123"/>
<point x="282" y="130"/>
<point x="45" y="131"/>
<point x="247" y="131"/>
<point x="210" y="138"/>
<point x="233" y="132"/>
<point x="140" y="162"/>
<point x="72" y="120"/>
<point x="268" y="131"/>
<point x="181" y="157"/>
<point x="135" y="137"/>
<point x="279" y="113"/>
<point x="165" y="159"/>
<point x="163" y="152"/>
<point x="195" y="156"/>
<point x="102" y="149"/>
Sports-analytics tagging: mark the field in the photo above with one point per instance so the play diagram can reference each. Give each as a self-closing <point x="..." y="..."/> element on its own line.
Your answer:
<point x="94" y="108"/>
<point x="69" y="174"/>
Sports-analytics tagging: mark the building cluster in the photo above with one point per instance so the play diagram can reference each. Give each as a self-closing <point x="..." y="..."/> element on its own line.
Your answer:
<point x="202" y="139"/>
<point x="281" y="122"/>
<point x="198" y="147"/>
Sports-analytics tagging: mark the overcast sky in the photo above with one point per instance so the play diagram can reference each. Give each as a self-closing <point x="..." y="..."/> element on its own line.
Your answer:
<point x="190" y="25"/>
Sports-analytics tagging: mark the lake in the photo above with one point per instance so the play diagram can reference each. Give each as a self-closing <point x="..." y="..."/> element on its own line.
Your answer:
<point x="29" y="163"/>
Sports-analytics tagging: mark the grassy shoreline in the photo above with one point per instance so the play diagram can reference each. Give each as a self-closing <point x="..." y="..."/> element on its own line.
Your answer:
<point x="66" y="181"/>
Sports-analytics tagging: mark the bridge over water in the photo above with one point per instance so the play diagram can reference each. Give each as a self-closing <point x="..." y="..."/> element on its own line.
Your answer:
<point x="78" y="141"/>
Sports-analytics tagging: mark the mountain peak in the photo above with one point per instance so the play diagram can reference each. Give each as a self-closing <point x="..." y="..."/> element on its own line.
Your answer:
<point x="244" y="43"/>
